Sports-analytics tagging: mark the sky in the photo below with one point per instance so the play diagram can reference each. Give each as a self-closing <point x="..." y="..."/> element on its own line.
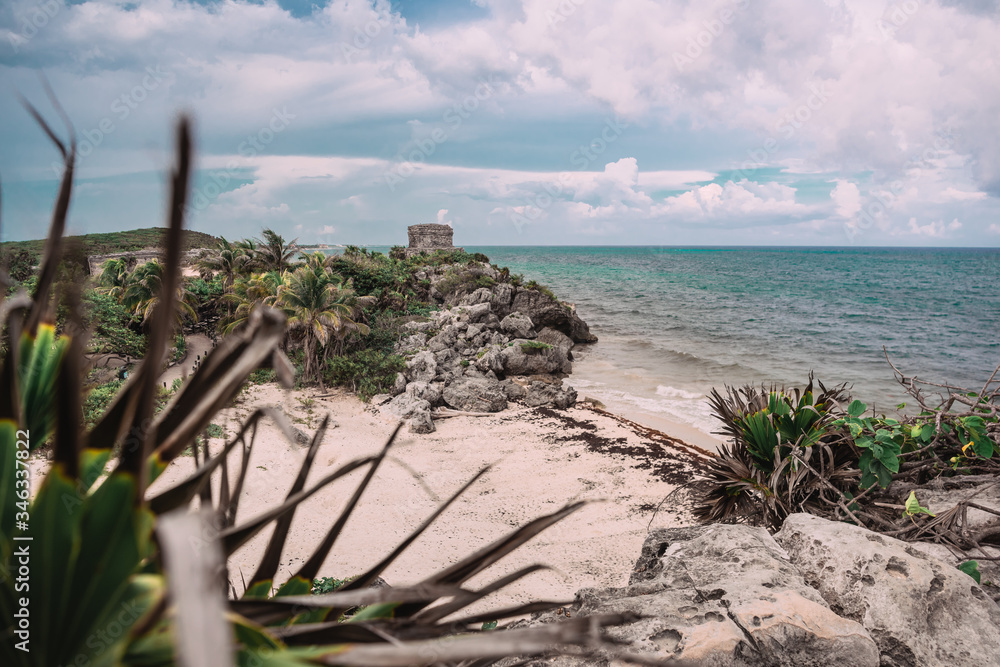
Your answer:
<point x="518" y="122"/>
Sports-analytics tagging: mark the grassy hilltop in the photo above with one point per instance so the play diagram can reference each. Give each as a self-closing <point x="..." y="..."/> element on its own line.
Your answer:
<point x="112" y="242"/>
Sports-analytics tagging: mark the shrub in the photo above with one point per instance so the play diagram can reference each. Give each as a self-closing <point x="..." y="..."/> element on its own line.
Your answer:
<point x="180" y="348"/>
<point x="532" y="285"/>
<point x="19" y="263"/>
<point x="98" y="399"/>
<point x="323" y="585"/>
<point x="110" y="322"/>
<point x="534" y="347"/>
<point x="262" y="376"/>
<point x="368" y="372"/>
<point x="786" y="454"/>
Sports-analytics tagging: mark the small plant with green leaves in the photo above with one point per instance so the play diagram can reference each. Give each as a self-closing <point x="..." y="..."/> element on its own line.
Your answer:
<point x="881" y="441"/>
<point x="784" y="454"/>
<point x="535" y="347"/>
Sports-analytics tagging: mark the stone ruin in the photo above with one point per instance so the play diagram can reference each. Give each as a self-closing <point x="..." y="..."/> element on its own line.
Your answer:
<point x="428" y="238"/>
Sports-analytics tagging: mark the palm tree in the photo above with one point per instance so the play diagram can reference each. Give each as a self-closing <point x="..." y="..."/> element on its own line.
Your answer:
<point x="251" y="260"/>
<point x="273" y="253"/>
<point x="227" y="261"/>
<point x="141" y="293"/>
<point x="114" y="274"/>
<point x="260" y="289"/>
<point x="317" y="305"/>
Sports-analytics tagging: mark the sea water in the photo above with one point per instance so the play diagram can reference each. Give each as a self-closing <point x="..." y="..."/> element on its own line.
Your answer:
<point x="675" y="322"/>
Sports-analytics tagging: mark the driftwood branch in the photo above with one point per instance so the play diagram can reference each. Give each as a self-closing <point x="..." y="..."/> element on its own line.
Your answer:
<point x="443" y="413"/>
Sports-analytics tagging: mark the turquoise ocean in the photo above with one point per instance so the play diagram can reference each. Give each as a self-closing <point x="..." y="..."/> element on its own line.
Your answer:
<point x="675" y="322"/>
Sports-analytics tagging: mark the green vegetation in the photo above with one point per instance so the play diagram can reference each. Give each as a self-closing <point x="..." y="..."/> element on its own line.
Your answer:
<point x="368" y="372"/>
<point x="323" y="585"/>
<point x="534" y="347"/>
<point x="98" y="400"/>
<point x="793" y="451"/>
<point x="111" y="544"/>
<point x="115" y="242"/>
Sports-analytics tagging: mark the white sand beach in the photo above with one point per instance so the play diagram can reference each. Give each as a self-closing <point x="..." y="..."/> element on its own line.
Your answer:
<point x="541" y="460"/>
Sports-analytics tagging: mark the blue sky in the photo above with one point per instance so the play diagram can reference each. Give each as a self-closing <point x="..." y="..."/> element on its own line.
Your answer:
<point x="803" y="122"/>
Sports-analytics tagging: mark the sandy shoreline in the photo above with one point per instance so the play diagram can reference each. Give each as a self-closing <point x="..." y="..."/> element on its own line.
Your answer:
<point x="541" y="460"/>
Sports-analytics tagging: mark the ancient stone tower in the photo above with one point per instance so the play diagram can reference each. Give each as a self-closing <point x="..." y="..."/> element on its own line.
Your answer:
<point x="428" y="238"/>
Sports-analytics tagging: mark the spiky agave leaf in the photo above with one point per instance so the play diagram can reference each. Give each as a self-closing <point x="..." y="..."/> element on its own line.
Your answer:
<point x="97" y="537"/>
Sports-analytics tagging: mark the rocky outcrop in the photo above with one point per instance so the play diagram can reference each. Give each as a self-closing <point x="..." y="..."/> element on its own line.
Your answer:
<point x="545" y="311"/>
<point x="725" y="596"/>
<point x="817" y="593"/>
<point x="549" y="395"/>
<point x="476" y="395"/>
<point x="487" y="350"/>
<point x="416" y="411"/>
<point x="918" y="609"/>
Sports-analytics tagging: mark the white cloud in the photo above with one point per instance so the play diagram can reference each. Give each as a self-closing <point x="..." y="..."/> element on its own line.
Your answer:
<point x="847" y="199"/>
<point x="934" y="229"/>
<point x="744" y="202"/>
<point x="441" y="217"/>
<point x="838" y="90"/>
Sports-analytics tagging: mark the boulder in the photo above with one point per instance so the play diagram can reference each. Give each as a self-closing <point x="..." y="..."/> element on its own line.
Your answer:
<point x="422" y="367"/>
<point x="421" y="422"/>
<point x="481" y="295"/>
<point x="418" y="327"/>
<point x="405" y="405"/>
<point x="478" y="312"/>
<point x="513" y="390"/>
<point x="411" y="343"/>
<point x="475" y="395"/>
<point x="380" y="399"/>
<point x="445" y="339"/>
<point x="491" y="359"/>
<point x="556" y="339"/>
<point x="725" y="596"/>
<point x="425" y="391"/>
<point x="501" y="298"/>
<point x="399" y="386"/>
<point x="550" y="395"/>
<point x="522" y="358"/>
<point x="544" y="311"/>
<point x="518" y="325"/>
<point x="918" y="609"/>
<point x="416" y="411"/>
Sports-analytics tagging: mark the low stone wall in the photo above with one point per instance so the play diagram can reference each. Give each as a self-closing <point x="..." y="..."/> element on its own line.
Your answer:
<point x="136" y="257"/>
